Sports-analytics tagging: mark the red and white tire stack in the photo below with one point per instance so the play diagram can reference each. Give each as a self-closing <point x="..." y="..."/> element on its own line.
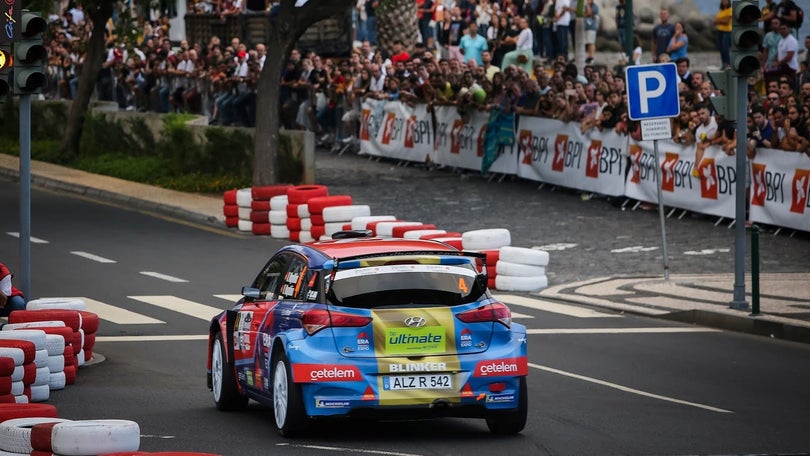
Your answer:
<point x="37" y="388"/>
<point x="316" y="206"/>
<point x="337" y="218"/>
<point x="402" y="230"/>
<point x="362" y="223"/>
<point x="278" y="217"/>
<point x="298" y="210"/>
<point x="43" y="320"/>
<point x="386" y="229"/>
<point x="230" y="209"/>
<point x="521" y="269"/>
<point x="12" y="386"/>
<point x="260" y="207"/>
<point x="487" y="241"/>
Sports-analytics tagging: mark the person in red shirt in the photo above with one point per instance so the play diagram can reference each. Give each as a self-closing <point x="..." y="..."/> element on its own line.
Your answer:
<point x="11" y="298"/>
<point x="399" y="54"/>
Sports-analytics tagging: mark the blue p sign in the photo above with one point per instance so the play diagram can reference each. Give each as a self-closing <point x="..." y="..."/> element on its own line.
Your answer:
<point x="652" y="91"/>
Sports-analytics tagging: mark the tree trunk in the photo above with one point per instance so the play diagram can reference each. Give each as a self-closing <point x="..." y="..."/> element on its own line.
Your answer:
<point x="579" y="34"/>
<point x="98" y="12"/>
<point x="285" y="29"/>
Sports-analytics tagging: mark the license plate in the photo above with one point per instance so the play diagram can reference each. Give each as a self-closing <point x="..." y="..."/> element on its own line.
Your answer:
<point x="417" y="382"/>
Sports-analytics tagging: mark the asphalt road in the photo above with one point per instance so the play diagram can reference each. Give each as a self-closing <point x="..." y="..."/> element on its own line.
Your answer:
<point x="599" y="383"/>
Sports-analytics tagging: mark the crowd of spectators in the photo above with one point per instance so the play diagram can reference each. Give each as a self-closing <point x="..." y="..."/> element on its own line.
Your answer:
<point x="468" y="62"/>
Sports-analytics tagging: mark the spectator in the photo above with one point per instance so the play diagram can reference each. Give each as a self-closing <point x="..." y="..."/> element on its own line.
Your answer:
<point x="661" y="35"/>
<point x="11" y="298"/>
<point x="684" y="75"/>
<point x="620" y="21"/>
<point x="522" y="55"/>
<point x="787" y="59"/>
<point x="452" y="31"/>
<point x="678" y="44"/>
<point x="705" y="130"/>
<point x="472" y="45"/>
<point x="770" y="44"/>
<point x="562" y="19"/>
<point x="505" y="41"/>
<point x="788" y="13"/>
<point x="763" y="132"/>
<point x="425" y="16"/>
<point x="722" y="22"/>
<point x="591" y="26"/>
<point x="636" y="60"/>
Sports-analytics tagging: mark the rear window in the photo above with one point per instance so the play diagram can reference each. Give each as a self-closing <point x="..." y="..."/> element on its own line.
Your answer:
<point x="410" y="285"/>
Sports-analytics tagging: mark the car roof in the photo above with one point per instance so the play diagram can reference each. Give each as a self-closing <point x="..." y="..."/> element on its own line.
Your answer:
<point x="345" y="248"/>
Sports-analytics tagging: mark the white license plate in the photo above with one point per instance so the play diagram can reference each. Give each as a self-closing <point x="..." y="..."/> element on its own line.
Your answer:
<point x="417" y="382"/>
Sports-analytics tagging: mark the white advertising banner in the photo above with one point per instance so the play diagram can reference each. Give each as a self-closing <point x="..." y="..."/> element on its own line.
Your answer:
<point x="559" y="153"/>
<point x="460" y="144"/>
<point x="780" y="182"/>
<point x="396" y="130"/>
<point x="712" y="193"/>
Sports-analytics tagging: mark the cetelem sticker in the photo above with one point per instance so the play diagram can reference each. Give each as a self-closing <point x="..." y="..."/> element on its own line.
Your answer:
<point x="407" y="341"/>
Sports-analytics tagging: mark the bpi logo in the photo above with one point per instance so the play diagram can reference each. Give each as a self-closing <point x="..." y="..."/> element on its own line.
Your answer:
<point x="760" y="191"/>
<point x="668" y="172"/>
<point x="592" y="162"/>
<point x="635" y="163"/>
<point x="708" y="179"/>
<point x="480" y="144"/>
<point x="410" y="126"/>
<point x="455" y="136"/>
<point x="388" y="127"/>
<point x="801" y="179"/>
<point x="560" y="146"/>
<point x="652" y="91"/>
<point x="364" y="124"/>
<point x="525" y="145"/>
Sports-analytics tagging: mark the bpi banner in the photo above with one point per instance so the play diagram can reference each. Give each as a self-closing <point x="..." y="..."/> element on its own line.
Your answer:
<point x="395" y="130"/>
<point x="712" y="193"/>
<point x="560" y="154"/>
<point x="780" y="182"/>
<point x="460" y="144"/>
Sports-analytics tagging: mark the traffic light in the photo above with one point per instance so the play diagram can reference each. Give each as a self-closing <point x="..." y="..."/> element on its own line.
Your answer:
<point x="6" y="64"/>
<point x="724" y="104"/>
<point x="30" y="55"/>
<point x="745" y="36"/>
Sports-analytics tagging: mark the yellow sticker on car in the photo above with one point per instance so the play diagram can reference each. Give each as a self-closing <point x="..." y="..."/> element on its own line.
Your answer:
<point x="427" y="340"/>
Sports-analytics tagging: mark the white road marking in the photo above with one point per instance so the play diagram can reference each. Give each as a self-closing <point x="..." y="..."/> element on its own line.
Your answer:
<point x="520" y="315"/>
<point x="181" y="305"/>
<point x="634" y="249"/>
<point x="150" y="338"/>
<point x="90" y="256"/>
<point x="706" y="251"/>
<point x="628" y="390"/>
<point x="117" y="314"/>
<point x="346" y="450"/>
<point x="31" y="238"/>
<point x="158" y="275"/>
<point x="229" y="297"/>
<point x="548" y="306"/>
<point x="555" y="247"/>
<point x="621" y="330"/>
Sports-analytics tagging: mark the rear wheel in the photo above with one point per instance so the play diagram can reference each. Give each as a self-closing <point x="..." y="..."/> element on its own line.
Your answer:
<point x="223" y="379"/>
<point x="513" y="421"/>
<point x="288" y="405"/>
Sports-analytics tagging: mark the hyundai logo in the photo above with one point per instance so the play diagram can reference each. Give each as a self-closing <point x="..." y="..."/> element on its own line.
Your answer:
<point x="415" y="322"/>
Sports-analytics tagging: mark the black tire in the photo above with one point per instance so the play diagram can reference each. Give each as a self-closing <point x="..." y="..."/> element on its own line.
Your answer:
<point x="223" y="379"/>
<point x="513" y="421"/>
<point x="288" y="405"/>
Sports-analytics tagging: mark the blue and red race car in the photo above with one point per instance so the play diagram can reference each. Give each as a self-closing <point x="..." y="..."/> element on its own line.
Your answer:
<point x="370" y="326"/>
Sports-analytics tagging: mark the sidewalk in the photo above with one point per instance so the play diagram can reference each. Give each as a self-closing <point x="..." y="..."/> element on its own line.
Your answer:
<point x="697" y="299"/>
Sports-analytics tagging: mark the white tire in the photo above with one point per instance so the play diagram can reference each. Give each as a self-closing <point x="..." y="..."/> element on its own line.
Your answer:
<point x="56" y="364"/>
<point x="57" y="381"/>
<point x="18" y="374"/>
<point x="345" y="213"/>
<point x="305" y="236"/>
<point x="303" y="211"/>
<point x="492" y="238"/>
<point x="523" y="255"/>
<point x="244" y="196"/>
<point x="41" y="393"/>
<point x="17" y="388"/>
<point x="244" y="213"/>
<point x="15" y="434"/>
<point x="21" y="399"/>
<point x="17" y="354"/>
<point x="37" y="336"/>
<point x="386" y="229"/>
<point x="416" y="234"/>
<point x="325" y="238"/>
<point x="512" y="283"/>
<point x="306" y="224"/>
<point x="56" y="303"/>
<point x="83" y="437"/>
<point x="80" y="357"/>
<point x="331" y="228"/>
<point x="277" y="217"/>
<point x="54" y="344"/>
<point x="518" y="270"/>
<point x="34" y="324"/>
<point x="41" y="358"/>
<point x="361" y="223"/>
<point x="245" y="225"/>
<point x="43" y="375"/>
<point x="279" y="232"/>
<point x="279" y="203"/>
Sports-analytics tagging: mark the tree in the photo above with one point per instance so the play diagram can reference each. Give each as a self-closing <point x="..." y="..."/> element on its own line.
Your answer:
<point x="397" y="21"/>
<point x="98" y="12"/>
<point x="579" y="33"/>
<point x="286" y="27"/>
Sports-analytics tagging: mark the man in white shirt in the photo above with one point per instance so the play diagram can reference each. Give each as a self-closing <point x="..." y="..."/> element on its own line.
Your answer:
<point x="562" y="19"/>
<point x="703" y="133"/>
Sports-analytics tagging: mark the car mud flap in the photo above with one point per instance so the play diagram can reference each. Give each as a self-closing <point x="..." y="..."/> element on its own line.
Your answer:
<point x="230" y="321"/>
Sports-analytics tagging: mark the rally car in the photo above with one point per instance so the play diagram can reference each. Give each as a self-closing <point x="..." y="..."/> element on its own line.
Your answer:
<point x="371" y="326"/>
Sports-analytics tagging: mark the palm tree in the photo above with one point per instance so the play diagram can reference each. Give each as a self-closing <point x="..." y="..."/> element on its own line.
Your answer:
<point x="397" y="20"/>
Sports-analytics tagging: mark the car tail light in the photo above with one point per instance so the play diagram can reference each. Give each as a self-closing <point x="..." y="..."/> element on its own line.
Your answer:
<point x="315" y="320"/>
<point x="496" y="312"/>
<point x="497" y="387"/>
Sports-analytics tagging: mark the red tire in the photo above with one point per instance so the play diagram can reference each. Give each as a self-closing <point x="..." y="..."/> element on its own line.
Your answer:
<point x="293" y="223"/>
<point x="259" y="229"/>
<point x="41" y="437"/>
<point x="317" y="220"/>
<point x="260" y="216"/>
<point x="68" y="317"/>
<point x="491" y="283"/>
<point x="230" y="210"/>
<point x="260" y="205"/>
<point x="292" y="210"/>
<point x="5" y="385"/>
<point x="8" y="399"/>
<point x="7" y="366"/>
<point x="29" y="373"/>
<point x="70" y="374"/>
<point x="265" y="192"/>
<point x="232" y="222"/>
<point x="295" y="235"/>
<point x="399" y="231"/>
<point x="317" y="204"/>
<point x="300" y="194"/>
<point x="11" y="411"/>
<point x="373" y="225"/>
<point x="230" y="196"/>
<point x="89" y="342"/>
<point x="317" y="231"/>
<point x="90" y="321"/>
<point x="29" y="348"/>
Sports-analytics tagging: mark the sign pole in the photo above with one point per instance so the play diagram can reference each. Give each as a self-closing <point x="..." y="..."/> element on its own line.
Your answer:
<point x="25" y="194"/>
<point x="741" y="96"/>
<point x="658" y="178"/>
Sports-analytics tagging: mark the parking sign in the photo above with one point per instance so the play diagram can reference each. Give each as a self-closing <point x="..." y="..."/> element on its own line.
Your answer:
<point x="652" y="91"/>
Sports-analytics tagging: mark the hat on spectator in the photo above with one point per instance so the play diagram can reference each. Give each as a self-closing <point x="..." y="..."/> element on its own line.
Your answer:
<point x="241" y="54"/>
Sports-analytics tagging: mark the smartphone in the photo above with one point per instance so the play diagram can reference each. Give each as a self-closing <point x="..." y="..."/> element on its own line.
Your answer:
<point x="570" y="92"/>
